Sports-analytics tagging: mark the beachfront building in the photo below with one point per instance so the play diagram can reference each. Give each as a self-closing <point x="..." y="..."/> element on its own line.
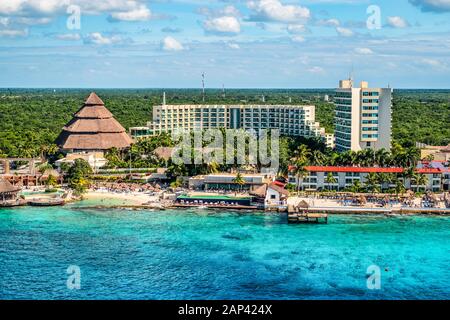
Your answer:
<point x="8" y="192"/>
<point x="227" y="181"/>
<point x="363" y="117"/>
<point x="318" y="178"/>
<point x="92" y="131"/>
<point x="276" y="195"/>
<point x="436" y="153"/>
<point x="289" y="119"/>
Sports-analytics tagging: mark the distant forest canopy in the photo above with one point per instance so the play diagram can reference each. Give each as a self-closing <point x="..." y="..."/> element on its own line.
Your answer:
<point x="31" y="119"/>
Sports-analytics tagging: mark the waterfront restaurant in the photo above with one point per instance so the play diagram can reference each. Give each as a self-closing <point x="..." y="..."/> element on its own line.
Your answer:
<point x="226" y="181"/>
<point x="7" y="191"/>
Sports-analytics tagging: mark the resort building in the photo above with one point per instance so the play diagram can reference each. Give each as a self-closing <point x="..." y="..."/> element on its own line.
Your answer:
<point x="363" y="117"/>
<point x="437" y="153"/>
<point x="93" y="129"/>
<point x="290" y="120"/>
<point x="226" y="181"/>
<point x="7" y="191"/>
<point x="320" y="178"/>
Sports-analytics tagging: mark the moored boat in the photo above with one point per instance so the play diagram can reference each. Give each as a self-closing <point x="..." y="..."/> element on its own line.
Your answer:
<point x="46" y="202"/>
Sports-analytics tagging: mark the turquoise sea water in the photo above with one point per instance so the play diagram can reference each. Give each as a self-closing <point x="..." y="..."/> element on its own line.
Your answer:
<point x="206" y="254"/>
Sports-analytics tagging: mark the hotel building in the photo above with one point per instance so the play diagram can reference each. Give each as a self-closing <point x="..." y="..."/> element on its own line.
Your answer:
<point x="316" y="178"/>
<point x="290" y="120"/>
<point x="363" y="117"/>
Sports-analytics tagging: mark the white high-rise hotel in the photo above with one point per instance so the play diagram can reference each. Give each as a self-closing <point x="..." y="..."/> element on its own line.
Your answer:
<point x="363" y="117"/>
<point x="292" y="120"/>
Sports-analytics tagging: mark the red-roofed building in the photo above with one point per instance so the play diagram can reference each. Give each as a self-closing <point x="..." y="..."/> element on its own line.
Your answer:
<point x="340" y="178"/>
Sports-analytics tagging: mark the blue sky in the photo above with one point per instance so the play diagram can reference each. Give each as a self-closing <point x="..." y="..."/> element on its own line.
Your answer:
<point x="237" y="43"/>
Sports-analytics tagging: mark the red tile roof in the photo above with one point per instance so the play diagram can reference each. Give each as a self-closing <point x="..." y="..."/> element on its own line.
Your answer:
<point x="366" y="169"/>
<point x="353" y="169"/>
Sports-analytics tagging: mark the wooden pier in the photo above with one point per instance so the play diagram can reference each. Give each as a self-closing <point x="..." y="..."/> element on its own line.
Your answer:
<point x="307" y="218"/>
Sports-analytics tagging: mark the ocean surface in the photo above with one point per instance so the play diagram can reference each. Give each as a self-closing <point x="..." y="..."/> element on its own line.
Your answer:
<point x="203" y="254"/>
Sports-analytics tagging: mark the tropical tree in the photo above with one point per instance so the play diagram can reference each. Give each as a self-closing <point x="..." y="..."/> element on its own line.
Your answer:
<point x="318" y="158"/>
<point x="79" y="175"/>
<point x="372" y="182"/>
<point x="399" y="187"/>
<point x="239" y="180"/>
<point x="420" y="180"/>
<point x="330" y="179"/>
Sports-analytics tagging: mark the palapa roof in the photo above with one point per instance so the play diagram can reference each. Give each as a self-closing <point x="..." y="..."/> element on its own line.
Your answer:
<point x="7" y="187"/>
<point x="93" y="128"/>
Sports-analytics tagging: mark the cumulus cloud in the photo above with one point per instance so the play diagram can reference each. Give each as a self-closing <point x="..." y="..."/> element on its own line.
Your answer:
<point x="397" y="22"/>
<point x="99" y="39"/>
<point x="13" y="33"/>
<point x="328" y="23"/>
<point x="364" y="51"/>
<point x="344" y="32"/>
<point x="69" y="36"/>
<point x="432" y="5"/>
<point x="226" y="25"/>
<point x="296" y="28"/>
<point x="141" y="13"/>
<point x="171" y="44"/>
<point x="233" y="46"/>
<point x="274" y="10"/>
<point x="298" y="39"/>
<point x="125" y="10"/>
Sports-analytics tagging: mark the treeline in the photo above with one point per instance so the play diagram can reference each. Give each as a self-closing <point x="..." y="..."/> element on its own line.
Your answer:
<point x="31" y="119"/>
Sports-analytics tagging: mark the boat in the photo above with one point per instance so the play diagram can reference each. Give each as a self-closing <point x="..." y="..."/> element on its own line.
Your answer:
<point x="11" y="204"/>
<point x="46" y="202"/>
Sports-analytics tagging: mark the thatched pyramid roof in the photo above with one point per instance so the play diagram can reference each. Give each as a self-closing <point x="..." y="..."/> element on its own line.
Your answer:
<point x="93" y="128"/>
<point x="7" y="187"/>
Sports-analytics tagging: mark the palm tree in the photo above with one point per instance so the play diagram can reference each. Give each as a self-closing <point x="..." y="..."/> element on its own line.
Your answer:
<point x="421" y="180"/>
<point x="372" y="182"/>
<point x="213" y="167"/>
<point x="356" y="187"/>
<point x="399" y="187"/>
<point x="382" y="157"/>
<point x="330" y="179"/>
<point x="239" y="180"/>
<point x="318" y="158"/>
<point x="302" y="154"/>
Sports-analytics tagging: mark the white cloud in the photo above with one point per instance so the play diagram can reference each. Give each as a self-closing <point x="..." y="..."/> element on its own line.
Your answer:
<point x="296" y="28"/>
<point x="344" y="32"/>
<point x="125" y="10"/>
<point x="432" y="5"/>
<point x="171" y="44"/>
<point x="316" y="70"/>
<point x="141" y="13"/>
<point x="98" y="38"/>
<point x="363" y="51"/>
<point x="69" y="36"/>
<point x="397" y="22"/>
<point x="274" y="10"/>
<point x="298" y="39"/>
<point x="13" y="33"/>
<point x="223" y="25"/>
<point x="233" y="46"/>
<point x="433" y="63"/>
<point x="328" y="23"/>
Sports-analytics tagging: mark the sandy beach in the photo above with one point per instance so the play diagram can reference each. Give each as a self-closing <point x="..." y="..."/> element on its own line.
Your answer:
<point x="131" y="198"/>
